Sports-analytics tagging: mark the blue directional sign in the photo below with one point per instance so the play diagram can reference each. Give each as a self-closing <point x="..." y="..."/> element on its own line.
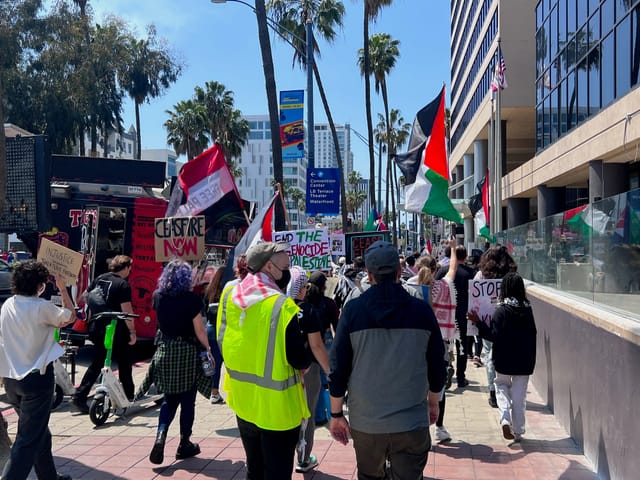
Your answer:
<point x="323" y="191"/>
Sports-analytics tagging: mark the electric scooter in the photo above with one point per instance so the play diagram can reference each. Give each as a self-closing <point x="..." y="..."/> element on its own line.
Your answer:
<point x="109" y="393"/>
<point x="65" y="381"/>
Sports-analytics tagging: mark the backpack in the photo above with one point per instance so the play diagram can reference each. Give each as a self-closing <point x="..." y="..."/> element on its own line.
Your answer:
<point x="96" y="301"/>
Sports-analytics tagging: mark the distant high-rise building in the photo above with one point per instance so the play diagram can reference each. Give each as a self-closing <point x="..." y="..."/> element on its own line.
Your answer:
<point x="325" y="151"/>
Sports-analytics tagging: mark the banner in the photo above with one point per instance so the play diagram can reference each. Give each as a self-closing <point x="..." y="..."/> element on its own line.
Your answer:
<point x="357" y="243"/>
<point x="308" y="249"/>
<point x="61" y="262"/>
<point x="292" y="124"/>
<point x="483" y="298"/>
<point x="181" y="237"/>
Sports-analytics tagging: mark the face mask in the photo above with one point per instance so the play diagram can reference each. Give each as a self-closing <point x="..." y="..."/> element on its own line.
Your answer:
<point x="284" y="279"/>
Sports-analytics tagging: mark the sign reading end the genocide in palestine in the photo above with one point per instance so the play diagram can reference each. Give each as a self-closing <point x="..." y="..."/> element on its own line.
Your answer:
<point x="308" y="249"/>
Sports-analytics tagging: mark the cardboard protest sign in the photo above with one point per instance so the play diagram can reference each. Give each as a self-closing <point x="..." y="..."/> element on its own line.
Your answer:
<point x="61" y="262"/>
<point x="308" y="249"/>
<point x="337" y="244"/>
<point x="179" y="237"/>
<point x="483" y="298"/>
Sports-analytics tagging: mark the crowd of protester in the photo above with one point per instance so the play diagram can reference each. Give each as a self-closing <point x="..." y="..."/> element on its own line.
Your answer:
<point x="388" y="323"/>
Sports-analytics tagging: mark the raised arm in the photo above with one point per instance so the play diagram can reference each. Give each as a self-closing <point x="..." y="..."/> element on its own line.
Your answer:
<point x="453" y="261"/>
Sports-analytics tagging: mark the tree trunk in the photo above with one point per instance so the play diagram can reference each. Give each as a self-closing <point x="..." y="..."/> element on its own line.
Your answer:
<point x="94" y="137"/>
<point x="138" y="135"/>
<point x="272" y="100"/>
<point x="367" y="99"/>
<point x="379" y="206"/>
<point x="105" y="133"/>
<point x="334" y="134"/>
<point x="390" y="186"/>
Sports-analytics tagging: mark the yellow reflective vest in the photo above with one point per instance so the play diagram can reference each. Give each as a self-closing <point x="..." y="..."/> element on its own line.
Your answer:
<point x="262" y="388"/>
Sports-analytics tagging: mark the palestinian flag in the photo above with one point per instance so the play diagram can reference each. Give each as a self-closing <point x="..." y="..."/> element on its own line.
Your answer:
<point x="260" y="230"/>
<point x="586" y="219"/>
<point x="206" y="187"/>
<point x="371" y="221"/>
<point x="479" y="206"/>
<point x="425" y="166"/>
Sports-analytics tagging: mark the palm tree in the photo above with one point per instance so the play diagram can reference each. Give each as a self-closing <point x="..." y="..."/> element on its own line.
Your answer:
<point x="272" y="101"/>
<point x="225" y="123"/>
<point x="297" y="197"/>
<point x="149" y="71"/>
<point x="291" y="16"/>
<point x="383" y="54"/>
<point x="186" y="128"/>
<point x="371" y="10"/>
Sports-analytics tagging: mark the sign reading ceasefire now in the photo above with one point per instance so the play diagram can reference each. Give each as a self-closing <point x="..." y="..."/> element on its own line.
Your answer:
<point x="179" y="237"/>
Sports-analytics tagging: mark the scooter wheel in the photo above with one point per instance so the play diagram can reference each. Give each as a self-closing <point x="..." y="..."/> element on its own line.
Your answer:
<point x="58" y="395"/>
<point x="99" y="409"/>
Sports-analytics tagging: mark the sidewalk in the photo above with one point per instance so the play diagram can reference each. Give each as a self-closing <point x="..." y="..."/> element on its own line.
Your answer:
<point x="119" y="449"/>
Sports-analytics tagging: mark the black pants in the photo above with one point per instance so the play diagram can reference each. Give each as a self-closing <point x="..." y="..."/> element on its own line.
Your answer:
<point x="31" y="398"/>
<point x="269" y="453"/>
<point x="407" y="452"/>
<point x="122" y="355"/>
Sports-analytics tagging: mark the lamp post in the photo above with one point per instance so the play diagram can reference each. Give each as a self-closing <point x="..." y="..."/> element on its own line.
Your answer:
<point x="308" y="54"/>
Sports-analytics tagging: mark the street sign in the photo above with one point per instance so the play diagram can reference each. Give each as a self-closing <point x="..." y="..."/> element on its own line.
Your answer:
<point x="311" y="220"/>
<point x="323" y="191"/>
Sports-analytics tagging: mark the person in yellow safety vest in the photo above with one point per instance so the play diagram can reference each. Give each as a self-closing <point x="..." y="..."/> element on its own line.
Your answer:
<point x="263" y="349"/>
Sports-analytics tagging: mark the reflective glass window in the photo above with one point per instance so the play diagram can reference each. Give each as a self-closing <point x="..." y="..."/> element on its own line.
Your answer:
<point x="547" y="111"/>
<point x="582" y="12"/>
<point x="583" y="93"/>
<point x="594" y="81"/>
<point x="562" y="105"/>
<point x="572" y="98"/>
<point x="607" y="17"/>
<point x="594" y="28"/>
<point x="539" y="126"/>
<point x="571" y="17"/>
<point x="635" y="46"/>
<point x="562" y="22"/>
<point x="622" y="8"/>
<point x="623" y="57"/>
<point x="553" y="33"/>
<point x="593" y="6"/>
<point x="607" y="59"/>
<point x="547" y="55"/>
<point x="554" y="115"/>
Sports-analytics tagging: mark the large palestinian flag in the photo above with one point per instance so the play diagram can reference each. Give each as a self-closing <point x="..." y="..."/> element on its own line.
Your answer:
<point x="425" y="166"/>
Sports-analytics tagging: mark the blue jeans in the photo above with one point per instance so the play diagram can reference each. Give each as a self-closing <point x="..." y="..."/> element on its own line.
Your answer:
<point x="187" y="402"/>
<point x="31" y="398"/>
<point x="217" y="355"/>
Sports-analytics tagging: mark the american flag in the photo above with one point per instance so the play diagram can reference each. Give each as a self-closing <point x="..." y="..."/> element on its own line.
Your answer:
<point x="499" y="80"/>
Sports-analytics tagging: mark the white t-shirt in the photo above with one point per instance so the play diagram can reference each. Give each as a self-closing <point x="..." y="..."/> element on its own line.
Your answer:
<point x="26" y="335"/>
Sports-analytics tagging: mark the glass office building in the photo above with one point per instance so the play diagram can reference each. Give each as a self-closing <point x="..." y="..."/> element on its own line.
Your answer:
<point x="587" y="57"/>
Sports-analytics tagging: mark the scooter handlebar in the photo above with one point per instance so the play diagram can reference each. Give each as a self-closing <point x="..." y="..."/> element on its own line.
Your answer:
<point x="112" y="315"/>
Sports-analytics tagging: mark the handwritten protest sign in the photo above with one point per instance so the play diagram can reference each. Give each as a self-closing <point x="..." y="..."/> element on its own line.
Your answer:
<point x="483" y="297"/>
<point x="179" y="237"/>
<point x="337" y="243"/>
<point x="61" y="262"/>
<point x="308" y="249"/>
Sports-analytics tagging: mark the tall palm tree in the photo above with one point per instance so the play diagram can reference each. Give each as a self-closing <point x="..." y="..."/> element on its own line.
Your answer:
<point x="272" y="101"/>
<point x="150" y="70"/>
<point x="225" y="123"/>
<point x="371" y="10"/>
<point x="326" y="16"/>
<point x="383" y="54"/>
<point x="186" y="128"/>
<point x="297" y="197"/>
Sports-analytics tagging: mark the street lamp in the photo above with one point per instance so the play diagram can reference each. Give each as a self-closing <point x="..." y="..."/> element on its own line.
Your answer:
<point x="308" y="54"/>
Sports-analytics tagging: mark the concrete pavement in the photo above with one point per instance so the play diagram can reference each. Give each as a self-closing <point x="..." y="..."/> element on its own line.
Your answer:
<point x="119" y="449"/>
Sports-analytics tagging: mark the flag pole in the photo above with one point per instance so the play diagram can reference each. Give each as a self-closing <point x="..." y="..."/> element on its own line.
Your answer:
<point x="491" y="170"/>
<point x="498" y="170"/>
<point x="284" y="206"/>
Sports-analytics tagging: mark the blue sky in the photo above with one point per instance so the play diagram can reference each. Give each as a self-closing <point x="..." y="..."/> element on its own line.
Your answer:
<point x="220" y="42"/>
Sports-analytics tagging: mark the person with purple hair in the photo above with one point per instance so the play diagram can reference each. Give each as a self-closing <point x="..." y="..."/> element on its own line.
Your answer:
<point x="176" y="364"/>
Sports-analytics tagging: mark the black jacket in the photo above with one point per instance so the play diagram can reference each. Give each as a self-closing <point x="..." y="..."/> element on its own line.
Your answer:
<point x="513" y="333"/>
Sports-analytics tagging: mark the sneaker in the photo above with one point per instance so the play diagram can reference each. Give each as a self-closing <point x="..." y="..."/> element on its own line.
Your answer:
<point x="506" y="430"/>
<point x="81" y="405"/>
<point x="442" y="435"/>
<point x="187" y="449"/>
<point x="493" y="402"/>
<point x="59" y="476"/>
<point x="517" y="438"/>
<point x="463" y="383"/>
<point x="216" y="399"/>
<point x="307" y="466"/>
<point x="450" y="373"/>
<point x="477" y="362"/>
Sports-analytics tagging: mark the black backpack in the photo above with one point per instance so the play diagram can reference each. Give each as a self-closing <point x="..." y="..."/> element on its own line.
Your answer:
<point x="96" y="300"/>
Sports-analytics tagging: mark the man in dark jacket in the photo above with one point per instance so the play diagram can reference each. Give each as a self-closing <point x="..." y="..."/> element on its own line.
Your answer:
<point x="386" y="340"/>
<point x="461" y="282"/>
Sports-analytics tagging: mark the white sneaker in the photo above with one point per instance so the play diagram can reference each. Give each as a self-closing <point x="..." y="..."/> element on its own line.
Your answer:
<point x="442" y="435"/>
<point x="216" y="399"/>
